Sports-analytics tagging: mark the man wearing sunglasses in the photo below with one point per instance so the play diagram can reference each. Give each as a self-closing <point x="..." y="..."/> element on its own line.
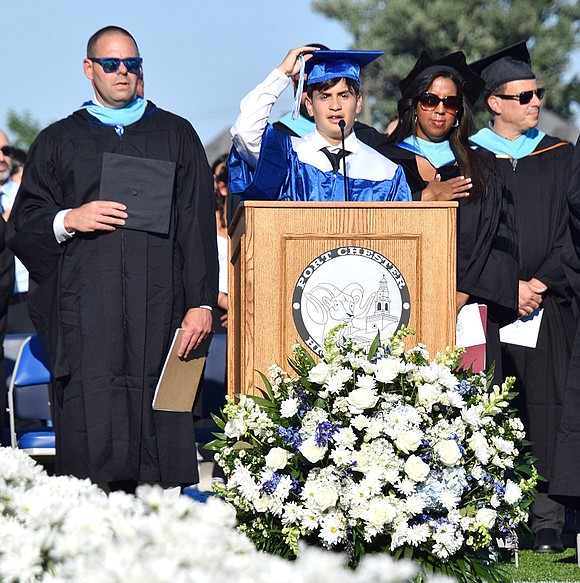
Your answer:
<point x="116" y="223"/>
<point x="535" y="167"/>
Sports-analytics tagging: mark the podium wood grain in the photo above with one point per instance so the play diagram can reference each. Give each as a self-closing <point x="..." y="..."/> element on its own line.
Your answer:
<point x="271" y="243"/>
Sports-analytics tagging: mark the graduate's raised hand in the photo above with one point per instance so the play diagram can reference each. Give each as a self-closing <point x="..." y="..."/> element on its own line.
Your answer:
<point x="445" y="190"/>
<point x="290" y="66"/>
<point x="98" y="215"/>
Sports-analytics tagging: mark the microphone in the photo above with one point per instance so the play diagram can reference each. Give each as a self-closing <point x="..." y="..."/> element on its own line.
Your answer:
<point x="342" y="125"/>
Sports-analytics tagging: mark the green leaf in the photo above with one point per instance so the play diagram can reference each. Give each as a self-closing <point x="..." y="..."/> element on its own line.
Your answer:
<point x="266" y="403"/>
<point x="215" y="445"/>
<point x="374" y="346"/>
<point x="242" y="445"/>
<point x="267" y="384"/>
<point x="218" y="421"/>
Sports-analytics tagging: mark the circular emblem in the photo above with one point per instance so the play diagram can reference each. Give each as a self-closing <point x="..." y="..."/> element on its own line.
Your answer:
<point x="350" y="285"/>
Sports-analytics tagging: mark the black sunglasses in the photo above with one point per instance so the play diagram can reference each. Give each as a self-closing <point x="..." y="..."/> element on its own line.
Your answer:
<point x="525" y="96"/>
<point x="110" y="65"/>
<point x="430" y="102"/>
<point x="6" y="151"/>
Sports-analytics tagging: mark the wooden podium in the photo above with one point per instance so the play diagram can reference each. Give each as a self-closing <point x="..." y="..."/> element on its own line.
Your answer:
<point x="281" y="255"/>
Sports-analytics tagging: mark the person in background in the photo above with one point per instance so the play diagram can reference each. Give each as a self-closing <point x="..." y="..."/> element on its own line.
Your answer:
<point x="18" y="162"/>
<point x="535" y="168"/>
<point x="6" y="274"/>
<point x="115" y="279"/>
<point x="392" y="125"/>
<point x="220" y="181"/>
<point x="19" y="321"/>
<point x="268" y="164"/>
<point x="431" y="143"/>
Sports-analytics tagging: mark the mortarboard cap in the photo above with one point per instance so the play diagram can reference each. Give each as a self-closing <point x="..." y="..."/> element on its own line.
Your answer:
<point x="510" y="64"/>
<point x="144" y="185"/>
<point x="455" y="63"/>
<point x="325" y="65"/>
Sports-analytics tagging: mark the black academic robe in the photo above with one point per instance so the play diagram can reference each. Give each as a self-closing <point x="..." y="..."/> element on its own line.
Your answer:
<point x="538" y="185"/>
<point x="486" y="246"/>
<point x="565" y="478"/>
<point x="107" y="303"/>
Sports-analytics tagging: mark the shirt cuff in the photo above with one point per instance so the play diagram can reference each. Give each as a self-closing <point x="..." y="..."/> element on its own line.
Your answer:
<point x="207" y="308"/>
<point x="60" y="233"/>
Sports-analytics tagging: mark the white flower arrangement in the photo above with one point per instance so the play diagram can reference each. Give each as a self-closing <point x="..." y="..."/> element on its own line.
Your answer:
<point x="379" y="450"/>
<point x="65" y="530"/>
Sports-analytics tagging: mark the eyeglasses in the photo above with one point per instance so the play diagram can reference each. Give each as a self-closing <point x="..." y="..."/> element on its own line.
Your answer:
<point x="525" y="96"/>
<point x="110" y="65"/>
<point x="6" y="151"/>
<point x="430" y="102"/>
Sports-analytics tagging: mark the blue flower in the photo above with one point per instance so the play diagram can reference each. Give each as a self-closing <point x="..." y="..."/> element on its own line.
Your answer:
<point x="270" y="486"/>
<point x="303" y="404"/>
<point x="324" y="432"/>
<point x="291" y="436"/>
<point x="465" y="388"/>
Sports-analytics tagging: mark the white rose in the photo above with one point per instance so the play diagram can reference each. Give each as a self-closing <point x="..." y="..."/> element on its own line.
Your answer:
<point x="261" y="502"/>
<point x="360" y="399"/>
<point x="380" y="512"/>
<point x="408" y="441"/>
<point x="387" y="369"/>
<point x="486" y="517"/>
<point x="448" y="451"/>
<point x="311" y="451"/>
<point x="277" y="458"/>
<point x="416" y="468"/>
<point x="428" y="395"/>
<point x="325" y="496"/>
<point x="319" y="373"/>
<point x="235" y="428"/>
<point x="478" y="443"/>
<point x="513" y="492"/>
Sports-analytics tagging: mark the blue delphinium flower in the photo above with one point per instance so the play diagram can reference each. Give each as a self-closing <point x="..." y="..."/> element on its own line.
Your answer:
<point x="324" y="432"/>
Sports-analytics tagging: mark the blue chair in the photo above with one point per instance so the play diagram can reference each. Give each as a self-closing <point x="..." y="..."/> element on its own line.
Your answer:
<point x="28" y="399"/>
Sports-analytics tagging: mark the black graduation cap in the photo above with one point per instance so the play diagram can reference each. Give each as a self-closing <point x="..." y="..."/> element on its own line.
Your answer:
<point x="510" y="64"/>
<point x="325" y="65"/>
<point x="455" y="63"/>
<point x="144" y="185"/>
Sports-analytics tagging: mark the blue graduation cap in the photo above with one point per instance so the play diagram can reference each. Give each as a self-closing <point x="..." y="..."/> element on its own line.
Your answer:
<point x="325" y="65"/>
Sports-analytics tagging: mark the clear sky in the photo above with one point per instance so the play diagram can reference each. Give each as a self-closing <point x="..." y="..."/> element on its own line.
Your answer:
<point x="200" y="57"/>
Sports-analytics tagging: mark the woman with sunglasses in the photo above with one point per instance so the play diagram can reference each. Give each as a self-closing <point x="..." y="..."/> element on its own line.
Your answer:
<point x="431" y="144"/>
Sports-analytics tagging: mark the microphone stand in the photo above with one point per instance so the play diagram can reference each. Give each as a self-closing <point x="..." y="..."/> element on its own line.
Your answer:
<point x="342" y="125"/>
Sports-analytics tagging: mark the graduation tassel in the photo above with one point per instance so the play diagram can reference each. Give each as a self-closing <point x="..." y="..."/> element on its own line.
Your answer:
<point x="299" y="89"/>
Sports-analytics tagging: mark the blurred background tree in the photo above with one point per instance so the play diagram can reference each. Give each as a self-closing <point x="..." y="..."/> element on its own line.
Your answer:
<point x="403" y="28"/>
<point x="23" y="128"/>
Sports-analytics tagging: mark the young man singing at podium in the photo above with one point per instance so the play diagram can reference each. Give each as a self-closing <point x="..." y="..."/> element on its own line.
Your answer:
<point x="329" y="163"/>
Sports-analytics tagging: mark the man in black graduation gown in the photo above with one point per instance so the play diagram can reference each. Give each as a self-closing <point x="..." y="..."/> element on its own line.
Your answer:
<point x="118" y="272"/>
<point x="535" y="168"/>
<point x="565" y="478"/>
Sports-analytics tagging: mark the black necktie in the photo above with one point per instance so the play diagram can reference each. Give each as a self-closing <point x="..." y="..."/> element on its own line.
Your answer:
<point x="335" y="157"/>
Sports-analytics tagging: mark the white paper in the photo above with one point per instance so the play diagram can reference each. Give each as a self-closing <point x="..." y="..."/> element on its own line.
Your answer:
<point x="469" y="328"/>
<point x="524" y="331"/>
